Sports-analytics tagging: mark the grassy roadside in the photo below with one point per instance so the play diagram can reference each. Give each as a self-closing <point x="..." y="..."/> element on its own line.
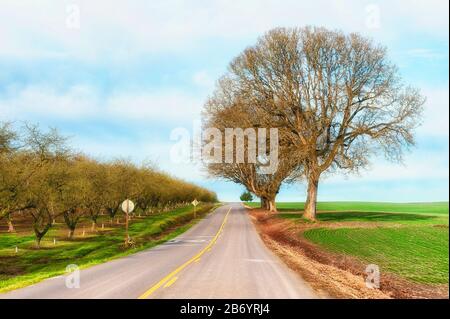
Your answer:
<point x="419" y="254"/>
<point x="30" y="265"/>
<point x="409" y="241"/>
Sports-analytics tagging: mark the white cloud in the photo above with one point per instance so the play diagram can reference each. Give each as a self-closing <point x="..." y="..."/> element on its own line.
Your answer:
<point x="415" y="167"/>
<point x="427" y="16"/>
<point x="82" y="102"/>
<point x="164" y="106"/>
<point x="203" y="79"/>
<point x="76" y="102"/>
<point x="436" y="112"/>
<point x="425" y="54"/>
<point x="122" y="30"/>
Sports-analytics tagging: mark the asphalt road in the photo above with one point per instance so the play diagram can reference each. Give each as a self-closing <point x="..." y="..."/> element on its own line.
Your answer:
<point x="222" y="256"/>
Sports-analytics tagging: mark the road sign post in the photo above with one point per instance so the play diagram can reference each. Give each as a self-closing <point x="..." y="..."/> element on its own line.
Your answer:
<point x="127" y="208"/>
<point x="195" y="203"/>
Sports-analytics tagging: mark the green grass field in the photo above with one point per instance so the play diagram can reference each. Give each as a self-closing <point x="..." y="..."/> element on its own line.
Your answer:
<point x="31" y="265"/>
<point x="416" y="253"/>
<point x="410" y="240"/>
<point x="427" y="208"/>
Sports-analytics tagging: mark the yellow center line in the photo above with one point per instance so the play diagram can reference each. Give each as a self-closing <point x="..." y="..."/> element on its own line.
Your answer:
<point x="176" y="271"/>
<point x="170" y="282"/>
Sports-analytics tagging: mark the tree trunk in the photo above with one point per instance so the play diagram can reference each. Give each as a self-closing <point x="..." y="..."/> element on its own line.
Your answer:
<point x="38" y="241"/>
<point x="272" y="207"/>
<point x="94" y="223"/>
<point x="71" y="222"/>
<point x="263" y="203"/>
<point x="41" y="233"/>
<point x="311" y="200"/>
<point x="10" y="224"/>
<point x="112" y="212"/>
<point x="39" y="236"/>
<point x="268" y="204"/>
<point x="72" y="227"/>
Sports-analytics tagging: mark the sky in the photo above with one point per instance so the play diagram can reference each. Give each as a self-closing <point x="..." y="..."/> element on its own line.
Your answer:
<point x="118" y="77"/>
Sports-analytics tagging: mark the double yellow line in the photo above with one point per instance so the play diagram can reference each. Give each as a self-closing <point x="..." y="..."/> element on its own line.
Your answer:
<point x="171" y="277"/>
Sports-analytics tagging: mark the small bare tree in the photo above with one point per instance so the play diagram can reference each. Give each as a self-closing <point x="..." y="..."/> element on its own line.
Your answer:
<point x="338" y="97"/>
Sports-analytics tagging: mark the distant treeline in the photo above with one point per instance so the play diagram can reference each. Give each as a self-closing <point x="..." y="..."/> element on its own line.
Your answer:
<point x="41" y="177"/>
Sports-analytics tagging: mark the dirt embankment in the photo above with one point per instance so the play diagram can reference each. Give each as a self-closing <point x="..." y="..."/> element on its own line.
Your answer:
<point x="330" y="274"/>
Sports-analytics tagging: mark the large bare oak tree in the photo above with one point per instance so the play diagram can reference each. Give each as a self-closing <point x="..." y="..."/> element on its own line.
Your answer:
<point x="337" y="95"/>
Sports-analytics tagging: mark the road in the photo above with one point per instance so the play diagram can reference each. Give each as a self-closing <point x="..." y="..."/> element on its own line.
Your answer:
<point x="222" y="256"/>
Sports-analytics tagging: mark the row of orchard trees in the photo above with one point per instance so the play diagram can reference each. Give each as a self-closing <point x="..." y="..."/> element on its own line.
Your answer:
<point x="42" y="178"/>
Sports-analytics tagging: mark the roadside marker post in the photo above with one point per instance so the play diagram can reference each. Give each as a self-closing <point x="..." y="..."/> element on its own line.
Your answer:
<point x="127" y="208"/>
<point x="195" y="203"/>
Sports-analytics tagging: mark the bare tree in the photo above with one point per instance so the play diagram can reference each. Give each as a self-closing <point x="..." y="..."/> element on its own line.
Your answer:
<point x="8" y="138"/>
<point x="75" y="194"/>
<point x="22" y="158"/>
<point x="49" y="153"/>
<point x="13" y="173"/>
<point x="338" y="96"/>
<point x="227" y="109"/>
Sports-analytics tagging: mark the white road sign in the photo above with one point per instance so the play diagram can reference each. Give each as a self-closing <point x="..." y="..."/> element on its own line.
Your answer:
<point x="195" y="202"/>
<point x="127" y="206"/>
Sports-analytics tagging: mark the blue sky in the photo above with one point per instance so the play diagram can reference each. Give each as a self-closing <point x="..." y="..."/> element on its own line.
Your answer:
<point x="119" y="76"/>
